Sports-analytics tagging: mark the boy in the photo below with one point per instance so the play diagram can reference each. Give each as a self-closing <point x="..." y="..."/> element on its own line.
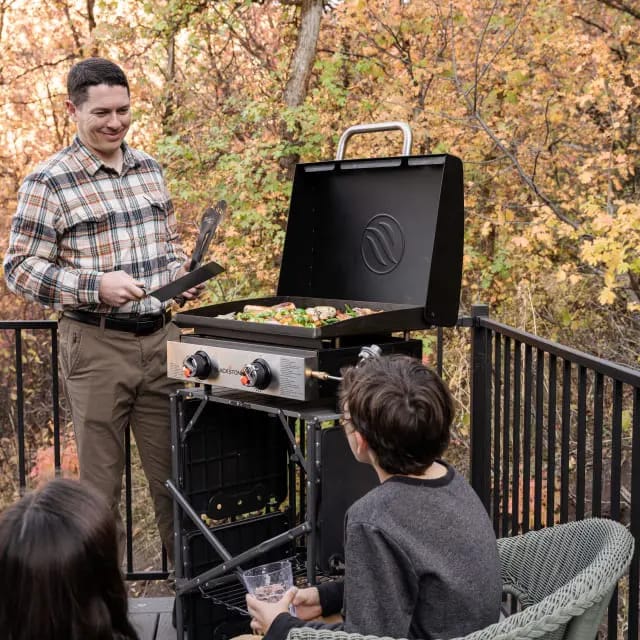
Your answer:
<point x="421" y="558"/>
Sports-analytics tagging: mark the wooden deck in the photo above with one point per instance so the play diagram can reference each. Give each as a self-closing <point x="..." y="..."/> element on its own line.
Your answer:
<point x="151" y="618"/>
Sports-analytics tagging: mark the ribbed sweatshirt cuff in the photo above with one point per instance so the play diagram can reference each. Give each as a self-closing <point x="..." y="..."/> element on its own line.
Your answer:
<point x="331" y="597"/>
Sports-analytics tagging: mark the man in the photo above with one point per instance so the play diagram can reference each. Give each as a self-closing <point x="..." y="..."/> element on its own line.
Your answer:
<point x="94" y="231"/>
<point x="421" y="558"/>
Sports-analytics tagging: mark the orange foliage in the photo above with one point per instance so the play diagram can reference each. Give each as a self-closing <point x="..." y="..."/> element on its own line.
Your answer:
<point x="43" y="468"/>
<point x="540" y="100"/>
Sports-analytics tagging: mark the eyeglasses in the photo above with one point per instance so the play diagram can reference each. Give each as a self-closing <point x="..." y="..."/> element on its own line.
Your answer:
<point x="345" y="421"/>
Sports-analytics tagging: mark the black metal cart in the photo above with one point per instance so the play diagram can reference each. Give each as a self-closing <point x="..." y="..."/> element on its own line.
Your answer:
<point x="254" y="480"/>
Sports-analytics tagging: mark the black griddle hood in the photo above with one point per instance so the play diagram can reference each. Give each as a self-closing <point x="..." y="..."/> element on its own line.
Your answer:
<point x="380" y="230"/>
<point x="384" y="233"/>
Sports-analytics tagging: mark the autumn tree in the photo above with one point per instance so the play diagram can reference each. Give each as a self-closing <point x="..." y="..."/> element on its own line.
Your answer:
<point x="539" y="99"/>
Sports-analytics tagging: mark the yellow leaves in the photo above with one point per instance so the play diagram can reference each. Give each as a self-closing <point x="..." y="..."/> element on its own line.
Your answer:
<point x="607" y="296"/>
<point x="520" y="242"/>
<point x="602" y="222"/>
<point x="627" y="34"/>
<point x="565" y="277"/>
<point x="556" y="114"/>
<point x="542" y="235"/>
<point x="586" y="177"/>
<point x="261" y="208"/>
<point x="517" y="77"/>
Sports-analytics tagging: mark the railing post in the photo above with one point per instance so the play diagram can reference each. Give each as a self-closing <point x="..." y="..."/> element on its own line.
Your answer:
<point x="480" y="406"/>
<point x="22" y="472"/>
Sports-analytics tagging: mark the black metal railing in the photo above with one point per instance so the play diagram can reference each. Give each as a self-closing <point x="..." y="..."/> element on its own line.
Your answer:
<point x="555" y="437"/>
<point x="555" y="434"/>
<point x="33" y="373"/>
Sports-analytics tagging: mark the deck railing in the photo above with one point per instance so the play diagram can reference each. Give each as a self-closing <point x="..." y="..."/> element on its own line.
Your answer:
<point x="555" y="436"/>
<point x="34" y="376"/>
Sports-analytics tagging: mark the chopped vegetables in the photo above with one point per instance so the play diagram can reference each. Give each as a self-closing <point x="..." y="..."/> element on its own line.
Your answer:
<point x="286" y="313"/>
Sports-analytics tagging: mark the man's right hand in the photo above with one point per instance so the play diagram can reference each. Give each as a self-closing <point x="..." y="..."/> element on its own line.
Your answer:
<point x="118" y="287"/>
<point x="307" y="603"/>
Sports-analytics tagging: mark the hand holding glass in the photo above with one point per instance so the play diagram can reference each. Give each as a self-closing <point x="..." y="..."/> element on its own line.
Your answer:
<point x="269" y="582"/>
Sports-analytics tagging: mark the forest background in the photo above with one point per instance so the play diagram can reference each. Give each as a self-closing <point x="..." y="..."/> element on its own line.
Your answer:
<point x="539" y="98"/>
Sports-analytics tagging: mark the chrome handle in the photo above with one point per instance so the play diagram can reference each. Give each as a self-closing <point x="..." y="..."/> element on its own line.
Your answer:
<point x="370" y="128"/>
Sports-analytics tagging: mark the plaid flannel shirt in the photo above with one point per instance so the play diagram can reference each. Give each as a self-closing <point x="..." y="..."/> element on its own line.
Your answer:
<point x="77" y="219"/>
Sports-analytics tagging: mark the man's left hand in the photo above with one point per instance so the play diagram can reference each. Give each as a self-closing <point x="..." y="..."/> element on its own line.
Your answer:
<point x="264" y="613"/>
<point x="194" y="292"/>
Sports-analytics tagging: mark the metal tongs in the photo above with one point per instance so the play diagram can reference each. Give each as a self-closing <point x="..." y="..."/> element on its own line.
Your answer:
<point x="208" y="224"/>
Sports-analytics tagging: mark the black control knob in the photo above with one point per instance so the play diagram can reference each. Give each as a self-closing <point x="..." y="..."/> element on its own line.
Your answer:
<point x="199" y="365"/>
<point x="256" y="374"/>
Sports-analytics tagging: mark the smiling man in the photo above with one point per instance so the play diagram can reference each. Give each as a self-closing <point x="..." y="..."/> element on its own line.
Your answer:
<point x="102" y="114"/>
<point x="94" y="228"/>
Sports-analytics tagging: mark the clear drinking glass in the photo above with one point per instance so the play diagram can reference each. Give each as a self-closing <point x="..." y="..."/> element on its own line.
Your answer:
<point x="269" y="582"/>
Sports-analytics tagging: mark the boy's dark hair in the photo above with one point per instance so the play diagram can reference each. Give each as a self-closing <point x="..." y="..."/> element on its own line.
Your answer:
<point x="403" y="410"/>
<point x="59" y="573"/>
<point x="91" y="72"/>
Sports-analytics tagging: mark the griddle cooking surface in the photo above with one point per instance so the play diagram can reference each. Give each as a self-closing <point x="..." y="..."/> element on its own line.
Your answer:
<point x="393" y="317"/>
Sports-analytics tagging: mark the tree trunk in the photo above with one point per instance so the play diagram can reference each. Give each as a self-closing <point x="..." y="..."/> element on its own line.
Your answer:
<point x="300" y="69"/>
<point x="169" y="97"/>
<point x="304" y="54"/>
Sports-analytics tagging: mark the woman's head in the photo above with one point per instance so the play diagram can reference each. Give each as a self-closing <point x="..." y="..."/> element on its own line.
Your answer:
<point x="59" y="574"/>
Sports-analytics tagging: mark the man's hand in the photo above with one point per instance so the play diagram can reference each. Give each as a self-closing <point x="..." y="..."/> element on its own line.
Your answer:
<point x="118" y="287"/>
<point x="264" y="613"/>
<point x="194" y="292"/>
<point x="307" y="603"/>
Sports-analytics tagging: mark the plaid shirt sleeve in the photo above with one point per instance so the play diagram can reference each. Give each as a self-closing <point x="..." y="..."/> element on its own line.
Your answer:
<point x="30" y="264"/>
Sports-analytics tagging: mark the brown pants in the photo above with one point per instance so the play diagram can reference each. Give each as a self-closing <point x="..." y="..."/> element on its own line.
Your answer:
<point x="111" y="379"/>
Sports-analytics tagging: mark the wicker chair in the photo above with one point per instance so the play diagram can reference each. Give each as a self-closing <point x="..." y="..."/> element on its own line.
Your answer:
<point x="563" y="578"/>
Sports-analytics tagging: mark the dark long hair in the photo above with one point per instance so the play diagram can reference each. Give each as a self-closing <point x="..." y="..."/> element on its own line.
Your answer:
<point x="403" y="410"/>
<point x="59" y="574"/>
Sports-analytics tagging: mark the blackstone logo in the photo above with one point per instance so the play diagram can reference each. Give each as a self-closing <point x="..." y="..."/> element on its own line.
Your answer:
<point x="382" y="245"/>
<point x="231" y="372"/>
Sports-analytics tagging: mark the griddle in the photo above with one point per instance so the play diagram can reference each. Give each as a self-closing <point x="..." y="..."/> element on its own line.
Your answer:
<point x="382" y="233"/>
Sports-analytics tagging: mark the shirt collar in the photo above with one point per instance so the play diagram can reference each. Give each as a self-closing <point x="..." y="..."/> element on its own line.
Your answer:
<point x="91" y="163"/>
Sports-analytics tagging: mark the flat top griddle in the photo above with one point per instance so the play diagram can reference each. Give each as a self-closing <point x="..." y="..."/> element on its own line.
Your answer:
<point x="381" y="233"/>
<point x="393" y="317"/>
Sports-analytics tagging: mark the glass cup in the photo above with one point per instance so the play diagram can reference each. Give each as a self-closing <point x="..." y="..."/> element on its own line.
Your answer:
<point x="269" y="582"/>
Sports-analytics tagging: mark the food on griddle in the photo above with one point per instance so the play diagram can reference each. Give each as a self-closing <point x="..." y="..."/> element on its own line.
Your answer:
<point x="286" y="313"/>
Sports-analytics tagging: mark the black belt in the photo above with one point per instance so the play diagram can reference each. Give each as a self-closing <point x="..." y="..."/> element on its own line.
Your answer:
<point x="140" y="325"/>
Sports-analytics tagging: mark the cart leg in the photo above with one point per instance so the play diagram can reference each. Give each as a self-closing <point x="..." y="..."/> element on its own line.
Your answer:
<point x="313" y="478"/>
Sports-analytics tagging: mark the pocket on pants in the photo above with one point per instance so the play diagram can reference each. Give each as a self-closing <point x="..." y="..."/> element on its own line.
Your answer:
<point x="70" y="346"/>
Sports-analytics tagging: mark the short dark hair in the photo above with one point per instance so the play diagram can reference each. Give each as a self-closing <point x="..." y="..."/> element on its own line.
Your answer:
<point x="59" y="573"/>
<point x="403" y="410"/>
<point x="90" y="73"/>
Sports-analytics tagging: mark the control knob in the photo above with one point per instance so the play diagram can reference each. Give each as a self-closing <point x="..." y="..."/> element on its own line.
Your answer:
<point x="199" y="365"/>
<point x="256" y="374"/>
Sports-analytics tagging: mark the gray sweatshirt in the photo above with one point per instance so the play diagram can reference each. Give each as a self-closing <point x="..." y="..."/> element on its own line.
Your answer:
<point x="421" y="561"/>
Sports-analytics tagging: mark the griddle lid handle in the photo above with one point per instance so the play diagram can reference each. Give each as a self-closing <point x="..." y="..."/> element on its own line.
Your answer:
<point x="371" y="128"/>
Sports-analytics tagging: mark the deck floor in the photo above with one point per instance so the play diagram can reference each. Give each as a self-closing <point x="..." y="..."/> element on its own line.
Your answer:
<point x="151" y="618"/>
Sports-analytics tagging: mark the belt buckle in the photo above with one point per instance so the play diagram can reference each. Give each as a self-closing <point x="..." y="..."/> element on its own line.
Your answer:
<point x="147" y="326"/>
